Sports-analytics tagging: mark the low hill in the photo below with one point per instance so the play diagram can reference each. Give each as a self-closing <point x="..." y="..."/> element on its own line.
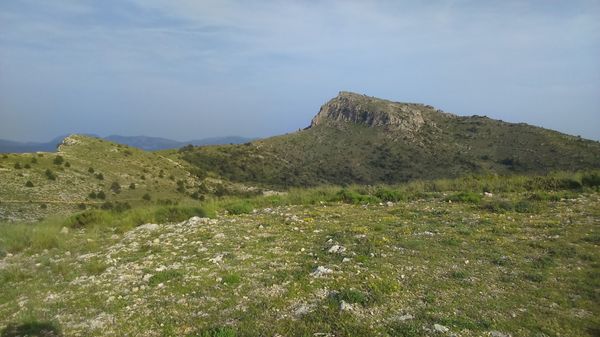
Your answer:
<point x="40" y="184"/>
<point x="359" y="139"/>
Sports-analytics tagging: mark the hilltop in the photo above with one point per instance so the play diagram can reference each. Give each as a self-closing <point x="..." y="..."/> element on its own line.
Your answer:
<point x="360" y="139"/>
<point x="91" y="172"/>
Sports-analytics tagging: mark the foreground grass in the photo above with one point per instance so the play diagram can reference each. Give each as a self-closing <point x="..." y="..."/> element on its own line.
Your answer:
<point x="521" y="261"/>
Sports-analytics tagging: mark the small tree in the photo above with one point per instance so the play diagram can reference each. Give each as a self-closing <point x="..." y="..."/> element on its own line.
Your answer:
<point x="34" y="160"/>
<point x="101" y="195"/>
<point x="67" y="164"/>
<point x="99" y="176"/>
<point x="29" y="183"/>
<point x="147" y="197"/>
<point x="115" y="187"/>
<point x="132" y="186"/>
<point x="18" y="166"/>
<point x="91" y="170"/>
<point x="50" y="175"/>
<point x="92" y="195"/>
<point x="27" y="166"/>
<point x="58" y="160"/>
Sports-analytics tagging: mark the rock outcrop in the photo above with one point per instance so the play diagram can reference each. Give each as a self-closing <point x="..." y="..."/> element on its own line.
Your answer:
<point x="370" y="111"/>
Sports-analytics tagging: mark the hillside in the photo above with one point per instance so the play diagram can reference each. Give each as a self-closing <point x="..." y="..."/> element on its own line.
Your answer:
<point x="360" y="139"/>
<point x="519" y="261"/>
<point x="40" y="184"/>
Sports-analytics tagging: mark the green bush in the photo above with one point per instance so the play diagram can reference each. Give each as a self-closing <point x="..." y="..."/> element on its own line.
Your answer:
<point x="498" y="206"/>
<point x="389" y="195"/>
<point x="50" y="175"/>
<point x="17" y="166"/>
<point x="591" y="179"/>
<point x="164" y="276"/>
<point x="58" y="160"/>
<point x="29" y="183"/>
<point x="115" y="187"/>
<point x="91" y="170"/>
<point x="177" y="214"/>
<point x="470" y="197"/>
<point x="101" y="195"/>
<point x="147" y="197"/>
<point x="99" y="176"/>
<point x="87" y="218"/>
<point x="353" y="197"/>
<point x="239" y="207"/>
<point x="132" y="186"/>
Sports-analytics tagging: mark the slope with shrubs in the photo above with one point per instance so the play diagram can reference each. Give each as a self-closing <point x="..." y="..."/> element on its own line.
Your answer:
<point x="476" y="256"/>
<point x="365" y="140"/>
<point x="84" y="172"/>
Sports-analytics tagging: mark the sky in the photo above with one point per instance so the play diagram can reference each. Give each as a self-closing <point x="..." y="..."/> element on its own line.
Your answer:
<point x="189" y="69"/>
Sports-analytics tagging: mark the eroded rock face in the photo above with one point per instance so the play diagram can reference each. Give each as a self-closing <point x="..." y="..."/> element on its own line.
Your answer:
<point x="373" y="112"/>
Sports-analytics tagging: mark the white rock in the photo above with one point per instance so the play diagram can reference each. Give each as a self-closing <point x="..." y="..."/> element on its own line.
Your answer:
<point x="64" y="230"/>
<point x="346" y="259"/>
<point x="440" y="328"/>
<point x="337" y="249"/>
<point x="344" y="306"/>
<point x="488" y="194"/>
<point x="389" y="204"/>
<point x="498" y="334"/>
<point x="321" y="271"/>
<point x="217" y="259"/>
<point x="406" y="317"/>
<point x="148" y="227"/>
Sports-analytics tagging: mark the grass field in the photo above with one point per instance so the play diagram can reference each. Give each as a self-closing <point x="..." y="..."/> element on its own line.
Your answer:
<point x="482" y="256"/>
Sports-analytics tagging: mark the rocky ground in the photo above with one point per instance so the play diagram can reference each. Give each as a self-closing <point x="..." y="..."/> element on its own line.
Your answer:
<point x="419" y="268"/>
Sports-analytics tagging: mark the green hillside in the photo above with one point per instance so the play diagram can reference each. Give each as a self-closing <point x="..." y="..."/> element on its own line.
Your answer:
<point x="86" y="172"/>
<point x="365" y="140"/>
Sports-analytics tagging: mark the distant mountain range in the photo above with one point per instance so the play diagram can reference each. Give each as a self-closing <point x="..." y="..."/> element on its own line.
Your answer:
<point x="141" y="142"/>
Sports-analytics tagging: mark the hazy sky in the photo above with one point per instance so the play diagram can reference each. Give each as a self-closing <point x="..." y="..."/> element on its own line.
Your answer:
<point x="192" y="69"/>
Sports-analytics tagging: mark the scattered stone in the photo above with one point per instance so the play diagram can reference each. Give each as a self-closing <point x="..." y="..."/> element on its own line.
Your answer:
<point x="321" y="271"/>
<point x="406" y="317"/>
<point x="346" y="259"/>
<point x="148" y="227"/>
<point x="64" y="230"/>
<point x="389" y="204"/>
<point x="498" y="334"/>
<point x="345" y="306"/>
<point x="488" y="194"/>
<point x="337" y="249"/>
<point x="217" y="259"/>
<point x="440" y="328"/>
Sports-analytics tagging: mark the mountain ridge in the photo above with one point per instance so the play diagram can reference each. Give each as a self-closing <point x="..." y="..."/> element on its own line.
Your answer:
<point x="365" y="140"/>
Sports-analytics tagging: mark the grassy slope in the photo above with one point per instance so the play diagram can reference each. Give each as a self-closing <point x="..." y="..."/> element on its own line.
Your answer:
<point x="447" y="146"/>
<point x="73" y="184"/>
<point x="473" y="266"/>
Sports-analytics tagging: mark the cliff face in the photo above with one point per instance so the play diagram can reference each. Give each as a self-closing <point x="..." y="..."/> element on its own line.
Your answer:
<point x="373" y="112"/>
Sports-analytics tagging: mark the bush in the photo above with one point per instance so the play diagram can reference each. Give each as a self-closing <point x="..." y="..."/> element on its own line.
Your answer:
<point x="389" y="195"/>
<point x="91" y="170"/>
<point x="29" y="183"/>
<point x="147" y="197"/>
<point x="498" y="206"/>
<point x="18" y="166"/>
<point x="86" y="219"/>
<point x="92" y="195"/>
<point x="67" y="164"/>
<point x="177" y="214"/>
<point x="239" y="207"/>
<point x="115" y="187"/>
<point x="99" y="176"/>
<point x="470" y="197"/>
<point x="58" y="160"/>
<point x="353" y="197"/>
<point x="101" y="195"/>
<point x="34" y="160"/>
<point x="50" y="175"/>
<point x="591" y="179"/>
<point x="27" y="166"/>
<point x="132" y="186"/>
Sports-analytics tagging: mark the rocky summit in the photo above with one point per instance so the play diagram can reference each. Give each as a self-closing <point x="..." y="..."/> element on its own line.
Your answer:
<point x="373" y="112"/>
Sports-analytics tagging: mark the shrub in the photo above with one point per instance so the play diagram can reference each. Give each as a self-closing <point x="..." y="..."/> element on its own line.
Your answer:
<point x="29" y="183"/>
<point x="239" y="207"/>
<point x="470" y="197"/>
<point x="107" y="205"/>
<point x="177" y="214"/>
<point x="120" y="207"/>
<point x="81" y="206"/>
<point x="58" y="160"/>
<point x="164" y="276"/>
<point x="115" y="187"/>
<point x="27" y="166"/>
<point x="132" y="186"/>
<point x="353" y="197"/>
<point x="498" y="206"/>
<point x="99" y="176"/>
<point x="101" y="195"/>
<point x="86" y="219"/>
<point x="389" y="195"/>
<point x="591" y="179"/>
<point x="91" y="170"/>
<point x="50" y="175"/>
<point x="34" y="160"/>
<point x="67" y="164"/>
<point x="18" y="166"/>
<point x="92" y="195"/>
<point x="147" y="197"/>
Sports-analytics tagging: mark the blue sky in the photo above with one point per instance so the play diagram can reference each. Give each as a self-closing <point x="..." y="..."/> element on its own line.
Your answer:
<point x="192" y="69"/>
